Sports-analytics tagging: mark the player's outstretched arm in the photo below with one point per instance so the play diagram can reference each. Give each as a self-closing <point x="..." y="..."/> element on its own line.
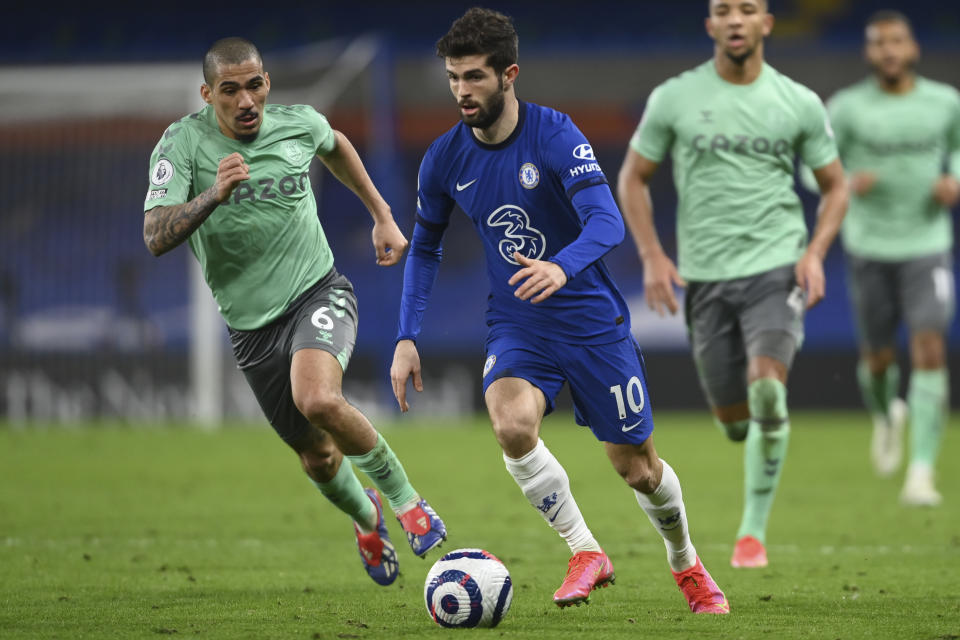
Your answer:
<point x="406" y="363"/>
<point x="659" y="272"/>
<point x="833" y="206"/>
<point x="164" y="228"/>
<point x="345" y="164"/>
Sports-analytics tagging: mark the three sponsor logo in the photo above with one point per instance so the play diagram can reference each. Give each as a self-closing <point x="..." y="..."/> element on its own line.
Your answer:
<point x="518" y="234"/>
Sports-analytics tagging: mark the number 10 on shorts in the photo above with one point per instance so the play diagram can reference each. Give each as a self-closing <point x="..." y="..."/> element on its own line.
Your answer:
<point x="634" y="397"/>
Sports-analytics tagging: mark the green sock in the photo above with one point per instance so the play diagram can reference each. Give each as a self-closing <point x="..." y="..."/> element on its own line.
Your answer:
<point x="927" y="398"/>
<point x="878" y="391"/>
<point x="735" y="431"/>
<point x="346" y="493"/>
<point x="764" y="453"/>
<point x="383" y="467"/>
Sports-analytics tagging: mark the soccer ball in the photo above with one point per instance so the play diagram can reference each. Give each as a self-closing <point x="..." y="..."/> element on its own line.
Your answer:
<point x="468" y="588"/>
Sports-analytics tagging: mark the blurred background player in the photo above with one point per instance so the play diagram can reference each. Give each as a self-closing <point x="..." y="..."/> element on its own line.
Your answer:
<point x="896" y="132"/>
<point x="528" y="180"/>
<point x="732" y="126"/>
<point x="233" y="180"/>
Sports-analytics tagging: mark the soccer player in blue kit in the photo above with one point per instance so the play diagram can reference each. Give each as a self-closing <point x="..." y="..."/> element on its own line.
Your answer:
<point x="528" y="180"/>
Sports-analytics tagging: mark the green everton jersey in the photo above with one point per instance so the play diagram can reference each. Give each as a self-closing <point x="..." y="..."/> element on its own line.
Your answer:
<point x="263" y="246"/>
<point x="906" y="141"/>
<point x="733" y="149"/>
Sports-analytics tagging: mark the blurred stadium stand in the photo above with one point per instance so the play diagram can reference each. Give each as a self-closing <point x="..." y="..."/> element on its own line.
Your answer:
<point x="91" y="325"/>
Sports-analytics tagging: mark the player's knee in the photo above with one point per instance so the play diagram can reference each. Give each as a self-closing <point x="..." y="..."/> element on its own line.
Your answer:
<point x="517" y="437"/>
<point x="768" y="401"/>
<point x="319" y="458"/>
<point x="927" y="350"/>
<point x="641" y="475"/>
<point x="321" y="407"/>
<point x="640" y="467"/>
<point x="879" y="361"/>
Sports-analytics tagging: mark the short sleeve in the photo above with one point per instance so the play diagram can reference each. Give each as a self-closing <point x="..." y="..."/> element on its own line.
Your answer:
<point x="818" y="146"/>
<point x="654" y="135"/>
<point x="838" y="122"/>
<point x="171" y="169"/>
<point x="570" y="157"/>
<point x="324" y="138"/>
<point x="953" y="136"/>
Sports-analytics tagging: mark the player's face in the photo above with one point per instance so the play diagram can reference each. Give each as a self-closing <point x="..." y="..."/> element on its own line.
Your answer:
<point x="891" y="49"/>
<point x="478" y="90"/>
<point x="238" y="95"/>
<point x="738" y="26"/>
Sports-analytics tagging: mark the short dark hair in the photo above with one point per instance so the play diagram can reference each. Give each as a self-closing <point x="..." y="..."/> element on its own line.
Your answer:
<point x="890" y="15"/>
<point x="765" y="3"/>
<point x="481" y="32"/>
<point x="232" y="50"/>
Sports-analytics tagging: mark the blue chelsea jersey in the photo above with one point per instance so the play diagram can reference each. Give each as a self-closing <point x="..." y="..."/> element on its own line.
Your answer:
<point x="521" y="195"/>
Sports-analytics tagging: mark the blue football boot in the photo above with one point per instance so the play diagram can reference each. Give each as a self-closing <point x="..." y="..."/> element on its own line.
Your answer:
<point x="425" y="530"/>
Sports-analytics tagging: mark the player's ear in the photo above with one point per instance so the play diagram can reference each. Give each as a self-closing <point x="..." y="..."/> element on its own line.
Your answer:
<point x="708" y="26"/>
<point x="914" y="50"/>
<point x="767" y="23"/>
<point x="206" y="93"/>
<point x="510" y="75"/>
<point x="266" y="81"/>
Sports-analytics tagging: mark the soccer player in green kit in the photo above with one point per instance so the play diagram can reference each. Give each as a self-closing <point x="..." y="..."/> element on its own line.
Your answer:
<point x="733" y="125"/>
<point x="233" y="181"/>
<point x="896" y="132"/>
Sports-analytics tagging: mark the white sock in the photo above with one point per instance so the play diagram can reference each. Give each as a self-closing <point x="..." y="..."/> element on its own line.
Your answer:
<point x="547" y="487"/>
<point x="665" y="509"/>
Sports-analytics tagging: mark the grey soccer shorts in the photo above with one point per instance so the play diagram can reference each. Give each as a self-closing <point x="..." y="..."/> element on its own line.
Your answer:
<point x="918" y="291"/>
<point x="731" y="321"/>
<point x="322" y="317"/>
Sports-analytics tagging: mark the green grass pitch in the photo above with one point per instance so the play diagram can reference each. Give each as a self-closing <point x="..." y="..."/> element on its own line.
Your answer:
<point x="113" y="532"/>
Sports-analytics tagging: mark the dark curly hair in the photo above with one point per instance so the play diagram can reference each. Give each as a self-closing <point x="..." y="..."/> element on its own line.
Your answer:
<point x="481" y="32"/>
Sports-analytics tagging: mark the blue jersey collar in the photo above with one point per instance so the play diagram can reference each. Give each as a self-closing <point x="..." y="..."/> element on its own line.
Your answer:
<point x="521" y="118"/>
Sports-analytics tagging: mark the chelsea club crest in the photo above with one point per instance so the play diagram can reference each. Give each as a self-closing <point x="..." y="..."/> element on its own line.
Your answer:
<point x="489" y="365"/>
<point x="529" y="175"/>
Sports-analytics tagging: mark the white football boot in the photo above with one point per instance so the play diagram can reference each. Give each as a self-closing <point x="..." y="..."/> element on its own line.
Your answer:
<point x="918" y="489"/>
<point x="886" y="445"/>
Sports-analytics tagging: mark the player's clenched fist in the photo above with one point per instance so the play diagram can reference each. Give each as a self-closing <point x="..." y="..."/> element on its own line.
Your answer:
<point x="389" y="242"/>
<point x="231" y="172"/>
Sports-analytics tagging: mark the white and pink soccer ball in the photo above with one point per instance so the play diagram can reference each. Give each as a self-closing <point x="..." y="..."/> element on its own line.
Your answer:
<point x="468" y="588"/>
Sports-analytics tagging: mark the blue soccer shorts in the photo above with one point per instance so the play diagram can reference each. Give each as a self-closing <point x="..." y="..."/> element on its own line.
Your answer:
<point x="608" y="382"/>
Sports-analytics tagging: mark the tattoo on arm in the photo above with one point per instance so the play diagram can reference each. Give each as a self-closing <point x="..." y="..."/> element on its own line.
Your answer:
<point x="166" y="227"/>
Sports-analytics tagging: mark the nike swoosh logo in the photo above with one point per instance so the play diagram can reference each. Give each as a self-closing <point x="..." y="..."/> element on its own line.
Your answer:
<point x="461" y="187"/>
<point x="557" y="512"/>
<point x="626" y="428"/>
